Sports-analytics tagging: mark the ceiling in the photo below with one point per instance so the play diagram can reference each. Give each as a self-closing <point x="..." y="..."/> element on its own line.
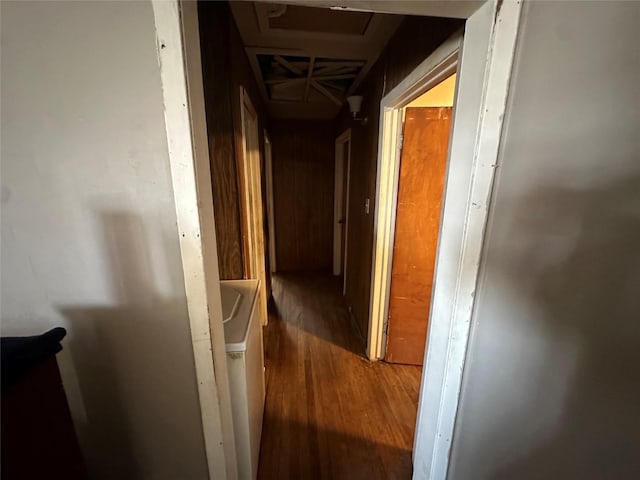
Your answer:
<point x="307" y="60"/>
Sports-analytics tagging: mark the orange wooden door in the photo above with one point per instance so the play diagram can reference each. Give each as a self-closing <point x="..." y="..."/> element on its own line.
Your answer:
<point x="420" y="188"/>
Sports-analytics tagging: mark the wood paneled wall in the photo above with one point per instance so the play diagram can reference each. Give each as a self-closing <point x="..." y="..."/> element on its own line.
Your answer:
<point x="303" y="165"/>
<point x="415" y="40"/>
<point x="225" y="68"/>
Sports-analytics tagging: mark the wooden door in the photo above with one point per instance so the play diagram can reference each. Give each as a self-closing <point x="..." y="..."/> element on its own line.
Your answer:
<point x="420" y="188"/>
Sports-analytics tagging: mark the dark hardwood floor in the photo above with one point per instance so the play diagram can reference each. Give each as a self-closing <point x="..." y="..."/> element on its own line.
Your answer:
<point x="330" y="413"/>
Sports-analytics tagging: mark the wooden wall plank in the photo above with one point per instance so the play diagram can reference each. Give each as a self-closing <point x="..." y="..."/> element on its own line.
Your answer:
<point x="226" y="68"/>
<point x="214" y="32"/>
<point x="303" y="167"/>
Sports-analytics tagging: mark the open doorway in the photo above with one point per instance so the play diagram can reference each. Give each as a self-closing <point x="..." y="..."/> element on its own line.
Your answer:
<point x="294" y="73"/>
<point x="419" y="188"/>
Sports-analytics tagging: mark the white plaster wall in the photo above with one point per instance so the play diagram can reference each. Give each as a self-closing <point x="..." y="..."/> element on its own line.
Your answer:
<point x="89" y="236"/>
<point x="552" y="385"/>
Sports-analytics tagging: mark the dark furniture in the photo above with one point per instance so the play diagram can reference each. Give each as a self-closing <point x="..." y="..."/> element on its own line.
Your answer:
<point x="38" y="437"/>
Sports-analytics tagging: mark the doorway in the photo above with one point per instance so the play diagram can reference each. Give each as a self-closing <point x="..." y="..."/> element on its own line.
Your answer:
<point x="419" y="188"/>
<point x="341" y="206"/>
<point x="490" y="33"/>
<point x="253" y="221"/>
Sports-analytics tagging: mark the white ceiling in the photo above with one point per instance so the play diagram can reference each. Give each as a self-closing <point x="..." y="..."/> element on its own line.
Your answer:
<point x="308" y="60"/>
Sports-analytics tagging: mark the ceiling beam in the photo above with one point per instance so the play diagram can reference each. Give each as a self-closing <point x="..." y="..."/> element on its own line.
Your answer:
<point x="312" y="62"/>
<point x="326" y="92"/>
<point x="275" y="81"/>
<point x="341" y="63"/>
<point x="335" y="77"/>
<point x="288" y="65"/>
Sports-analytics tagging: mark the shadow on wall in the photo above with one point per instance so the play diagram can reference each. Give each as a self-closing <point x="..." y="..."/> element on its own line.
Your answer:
<point x="130" y="360"/>
<point x="584" y="268"/>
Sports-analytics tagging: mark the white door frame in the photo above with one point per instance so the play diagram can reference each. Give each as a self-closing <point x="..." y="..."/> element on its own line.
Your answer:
<point x="271" y="222"/>
<point x="252" y="198"/>
<point x="178" y="47"/>
<point x="342" y="168"/>
<point x="486" y="51"/>
<point x="487" y="54"/>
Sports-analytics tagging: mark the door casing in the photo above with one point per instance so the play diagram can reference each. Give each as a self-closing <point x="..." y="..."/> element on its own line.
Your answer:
<point x="487" y="54"/>
<point x="486" y="51"/>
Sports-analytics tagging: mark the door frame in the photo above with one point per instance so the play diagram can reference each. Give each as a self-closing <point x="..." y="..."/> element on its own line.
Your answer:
<point x="252" y="208"/>
<point x="178" y="50"/>
<point x="439" y="66"/>
<point x="483" y="81"/>
<point x="342" y="168"/>
<point x="271" y="223"/>
<point x="486" y="51"/>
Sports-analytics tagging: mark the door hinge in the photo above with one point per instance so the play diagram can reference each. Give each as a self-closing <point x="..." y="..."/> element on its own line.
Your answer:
<point x="400" y="142"/>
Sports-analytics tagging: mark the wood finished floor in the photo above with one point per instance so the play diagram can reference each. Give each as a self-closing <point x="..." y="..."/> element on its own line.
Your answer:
<point x="329" y="412"/>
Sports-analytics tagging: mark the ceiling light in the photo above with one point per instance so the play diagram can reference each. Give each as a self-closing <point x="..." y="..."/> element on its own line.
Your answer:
<point x="355" y="103"/>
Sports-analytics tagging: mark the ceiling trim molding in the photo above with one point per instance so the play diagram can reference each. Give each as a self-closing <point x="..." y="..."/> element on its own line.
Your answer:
<point x="432" y="8"/>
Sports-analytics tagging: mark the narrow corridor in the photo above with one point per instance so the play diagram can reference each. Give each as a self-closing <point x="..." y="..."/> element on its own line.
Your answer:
<point x="330" y="413"/>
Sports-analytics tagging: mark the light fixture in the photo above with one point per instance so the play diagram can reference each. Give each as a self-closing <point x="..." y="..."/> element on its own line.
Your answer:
<point x="355" y="103"/>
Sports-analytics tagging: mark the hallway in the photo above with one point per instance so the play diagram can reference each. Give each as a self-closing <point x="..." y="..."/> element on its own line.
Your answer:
<point x="329" y="412"/>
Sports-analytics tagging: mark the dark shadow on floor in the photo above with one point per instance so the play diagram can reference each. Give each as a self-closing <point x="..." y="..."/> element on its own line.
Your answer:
<point x="308" y="452"/>
<point x="313" y="302"/>
<point x="330" y="412"/>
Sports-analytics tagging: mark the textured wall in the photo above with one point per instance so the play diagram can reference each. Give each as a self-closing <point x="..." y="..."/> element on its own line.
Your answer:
<point x="89" y="236"/>
<point x="303" y="164"/>
<point x="551" y="386"/>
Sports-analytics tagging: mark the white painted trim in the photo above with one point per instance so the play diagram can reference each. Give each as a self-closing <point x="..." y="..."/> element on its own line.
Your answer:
<point x="180" y="69"/>
<point x="338" y="195"/>
<point x="487" y="53"/>
<point x="271" y="222"/>
<point x="439" y="66"/>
